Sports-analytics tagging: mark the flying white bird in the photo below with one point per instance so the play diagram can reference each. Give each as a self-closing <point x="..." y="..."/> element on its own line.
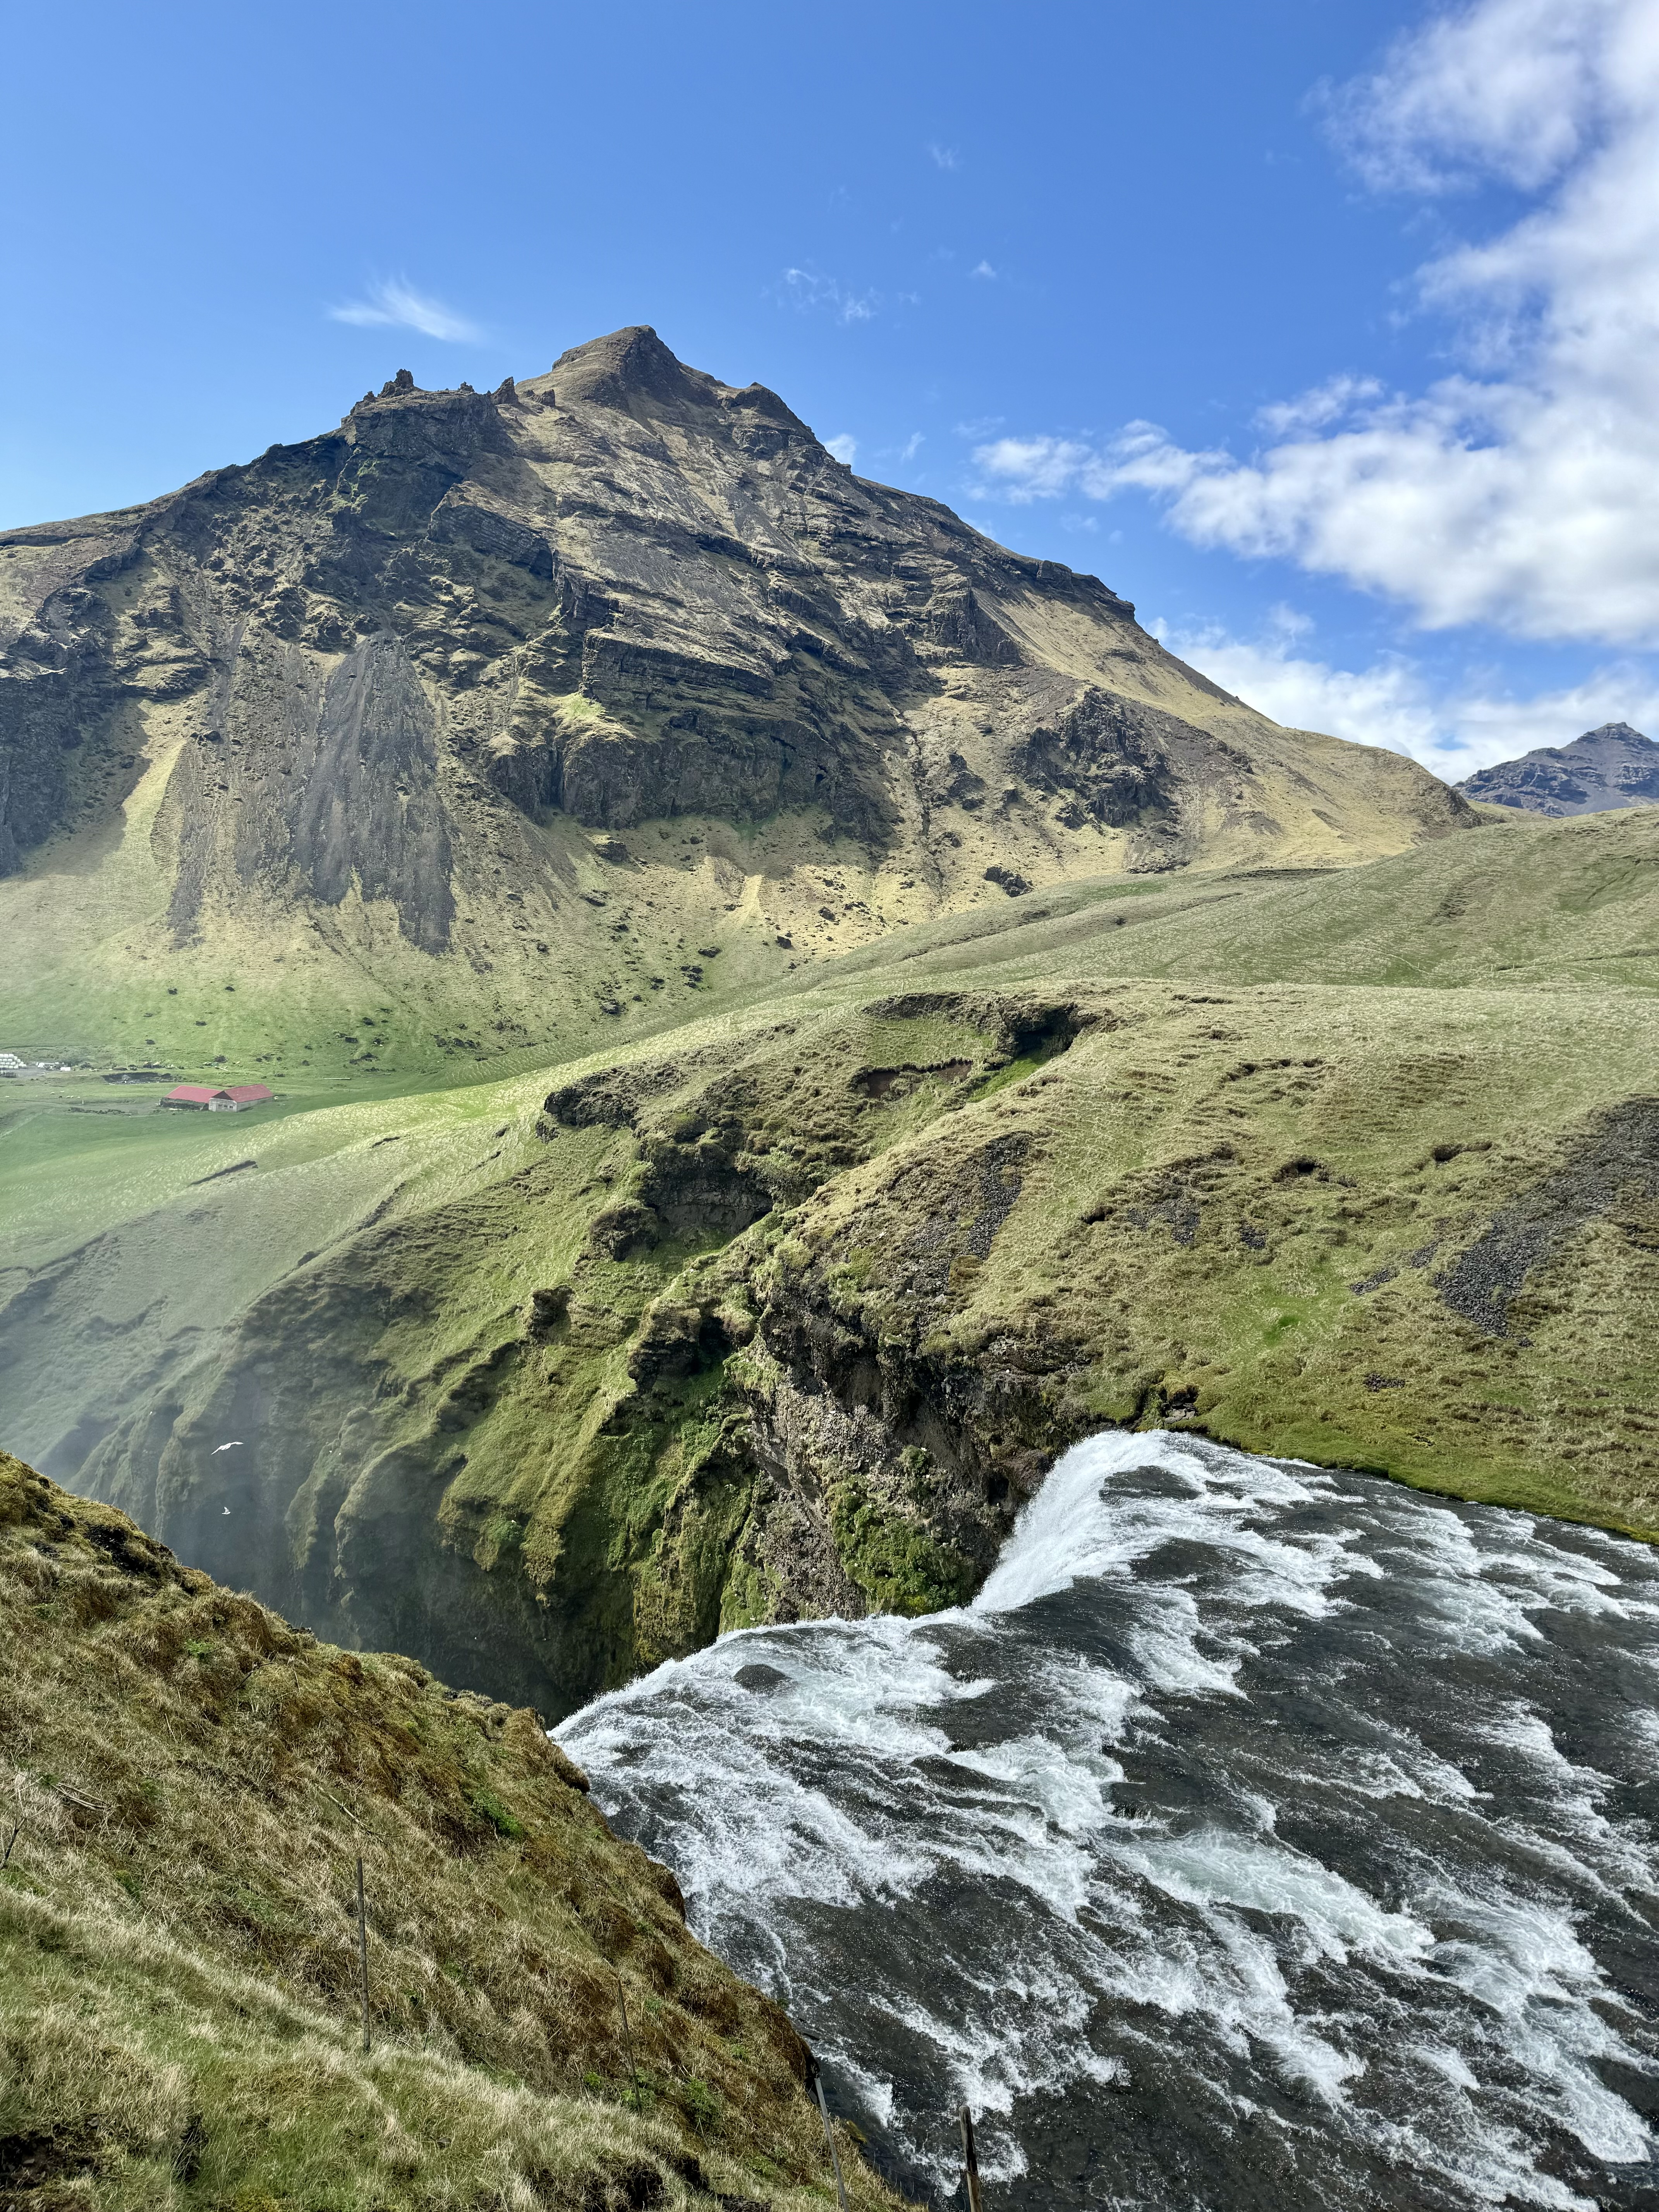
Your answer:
<point x="224" y="1508"/>
<point x="217" y="1448"/>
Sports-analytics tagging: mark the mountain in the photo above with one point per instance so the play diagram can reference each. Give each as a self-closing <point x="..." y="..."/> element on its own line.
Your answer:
<point x="783" y="1311"/>
<point x="486" y="723"/>
<point x="1613" y="766"/>
<point x="190" y="1785"/>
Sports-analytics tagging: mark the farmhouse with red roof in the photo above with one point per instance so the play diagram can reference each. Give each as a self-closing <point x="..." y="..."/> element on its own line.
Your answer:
<point x="231" y="1100"/>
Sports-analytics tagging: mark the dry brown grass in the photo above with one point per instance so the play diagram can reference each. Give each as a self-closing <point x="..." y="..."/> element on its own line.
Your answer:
<point x="192" y="1781"/>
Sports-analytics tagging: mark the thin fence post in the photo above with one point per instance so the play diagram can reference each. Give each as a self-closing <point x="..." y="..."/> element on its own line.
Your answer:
<point x="362" y="1949"/>
<point x="970" y="2161"/>
<point x="16" y="1830"/>
<point x="830" y="2137"/>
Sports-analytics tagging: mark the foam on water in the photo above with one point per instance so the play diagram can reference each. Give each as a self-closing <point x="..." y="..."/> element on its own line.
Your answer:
<point x="1259" y="1835"/>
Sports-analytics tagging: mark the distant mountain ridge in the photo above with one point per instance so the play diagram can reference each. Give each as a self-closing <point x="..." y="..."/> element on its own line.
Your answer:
<point x="471" y="724"/>
<point x="1613" y="766"/>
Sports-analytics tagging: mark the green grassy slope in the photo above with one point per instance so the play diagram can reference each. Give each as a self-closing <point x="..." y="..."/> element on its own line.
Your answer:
<point x="1519" y="904"/>
<point x="192" y="1783"/>
<point x="132" y="1233"/>
<point x="783" y="1309"/>
<point x="305" y="996"/>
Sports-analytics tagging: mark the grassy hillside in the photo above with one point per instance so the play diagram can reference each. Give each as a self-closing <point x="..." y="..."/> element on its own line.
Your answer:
<point x="784" y="1309"/>
<point x="191" y="1782"/>
<point x="1522" y="903"/>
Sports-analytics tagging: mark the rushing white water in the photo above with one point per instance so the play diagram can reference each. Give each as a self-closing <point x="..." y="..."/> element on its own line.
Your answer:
<point x="1260" y="1835"/>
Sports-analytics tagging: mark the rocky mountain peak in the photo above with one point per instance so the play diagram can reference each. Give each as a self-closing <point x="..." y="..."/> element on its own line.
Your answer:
<point x="1609" y="767"/>
<point x="633" y="372"/>
<point x="631" y="369"/>
<point x="1621" y="731"/>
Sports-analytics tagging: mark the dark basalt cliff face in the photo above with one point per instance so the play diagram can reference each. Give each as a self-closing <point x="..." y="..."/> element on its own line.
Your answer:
<point x="1613" y="766"/>
<point x="411" y="687"/>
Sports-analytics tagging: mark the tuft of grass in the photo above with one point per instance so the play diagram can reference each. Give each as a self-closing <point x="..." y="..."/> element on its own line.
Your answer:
<point x="178" y="1990"/>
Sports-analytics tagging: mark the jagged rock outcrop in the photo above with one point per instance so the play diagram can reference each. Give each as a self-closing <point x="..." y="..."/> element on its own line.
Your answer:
<point x="1611" y="766"/>
<point x="377" y="704"/>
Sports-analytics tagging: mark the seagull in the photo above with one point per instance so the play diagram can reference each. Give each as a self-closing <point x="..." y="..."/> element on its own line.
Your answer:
<point x="217" y="1448"/>
<point x="224" y="1508"/>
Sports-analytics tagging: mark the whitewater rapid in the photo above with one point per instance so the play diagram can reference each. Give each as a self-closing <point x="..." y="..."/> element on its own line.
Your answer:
<point x="1260" y="1835"/>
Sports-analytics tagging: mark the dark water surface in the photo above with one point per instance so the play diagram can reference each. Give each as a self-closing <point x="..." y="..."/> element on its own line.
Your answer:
<point x="1260" y="1836"/>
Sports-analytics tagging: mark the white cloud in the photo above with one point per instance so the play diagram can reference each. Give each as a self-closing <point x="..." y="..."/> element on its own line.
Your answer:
<point x="844" y="448"/>
<point x="1025" y="469"/>
<point x="395" y="305"/>
<point x="943" y="157"/>
<point x="981" y="269"/>
<point x="912" y="446"/>
<point x="1453" y="729"/>
<point x="808" y="288"/>
<point x="1338" y="398"/>
<point x="1515" y="87"/>
<point x="1522" y="491"/>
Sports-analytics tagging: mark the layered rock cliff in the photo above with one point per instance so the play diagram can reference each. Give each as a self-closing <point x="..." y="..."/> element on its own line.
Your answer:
<point x="462" y="726"/>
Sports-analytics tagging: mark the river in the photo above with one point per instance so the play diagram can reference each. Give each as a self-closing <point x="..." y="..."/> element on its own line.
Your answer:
<point x="1261" y="1836"/>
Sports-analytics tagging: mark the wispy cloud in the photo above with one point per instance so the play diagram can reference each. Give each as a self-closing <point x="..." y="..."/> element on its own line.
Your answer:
<point x="395" y="305"/>
<point x="810" y="290"/>
<point x="912" y="446"/>
<point x="1453" y="727"/>
<point x="1340" y="399"/>
<point x="1022" y="470"/>
<point x="844" y="447"/>
<point x="981" y="269"/>
<point x="943" y="157"/>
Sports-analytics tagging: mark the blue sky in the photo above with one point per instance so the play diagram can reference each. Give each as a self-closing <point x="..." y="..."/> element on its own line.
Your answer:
<point x="1322" y="329"/>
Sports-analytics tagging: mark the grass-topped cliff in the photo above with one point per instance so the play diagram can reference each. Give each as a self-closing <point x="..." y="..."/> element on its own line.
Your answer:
<point x="191" y="1782"/>
<point x="784" y="1309"/>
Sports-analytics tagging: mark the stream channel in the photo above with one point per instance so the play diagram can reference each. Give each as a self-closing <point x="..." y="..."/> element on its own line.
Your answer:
<point x="1260" y="1835"/>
